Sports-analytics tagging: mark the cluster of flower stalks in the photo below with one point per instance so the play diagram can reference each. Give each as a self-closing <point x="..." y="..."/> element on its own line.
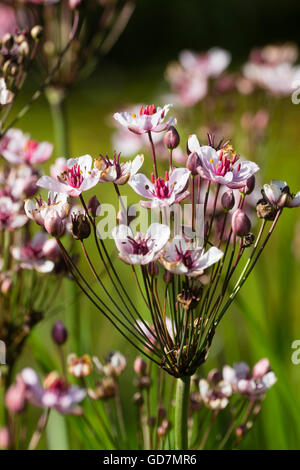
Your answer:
<point x="234" y="395"/>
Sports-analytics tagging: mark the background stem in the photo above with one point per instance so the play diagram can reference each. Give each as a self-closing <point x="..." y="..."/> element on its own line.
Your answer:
<point x="181" y="413"/>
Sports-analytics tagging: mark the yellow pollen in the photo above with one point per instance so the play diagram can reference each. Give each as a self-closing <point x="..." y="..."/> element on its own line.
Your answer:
<point x="133" y="115"/>
<point x="211" y="160"/>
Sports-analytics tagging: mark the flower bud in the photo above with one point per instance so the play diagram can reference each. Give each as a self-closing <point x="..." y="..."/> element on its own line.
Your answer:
<point x="59" y="333"/>
<point x="144" y="382"/>
<point x="6" y="285"/>
<point x="168" y="276"/>
<point x="171" y="138"/>
<point x="24" y="49"/>
<point x="192" y="163"/>
<point x="138" y="399"/>
<point x="260" y="368"/>
<point x="81" y="228"/>
<point x="36" y="32"/>
<point x="240" y="223"/>
<point x="53" y="223"/>
<point x="139" y="366"/>
<point x="15" y="396"/>
<point x="228" y="200"/>
<point x="153" y="269"/>
<point x="249" y="186"/>
<point x="93" y="206"/>
<point x="162" y="412"/>
<point x="4" y="438"/>
<point x="8" y="41"/>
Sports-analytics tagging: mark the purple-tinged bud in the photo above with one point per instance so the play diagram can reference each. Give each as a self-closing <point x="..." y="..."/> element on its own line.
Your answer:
<point x="139" y="366"/>
<point x="228" y="200"/>
<point x="81" y="227"/>
<point x="162" y="412"/>
<point x="171" y="138"/>
<point x="144" y="381"/>
<point x="59" y="333"/>
<point x="74" y="4"/>
<point x="4" y="438"/>
<point x="249" y="186"/>
<point x="151" y="421"/>
<point x="15" y="396"/>
<point x="54" y="224"/>
<point x="240" y="430"/>
<point x="93" y="206"/>
<point x="6" y="285"/>
<point x="192" y="163"/>
<point x="168" y="277"/>
<point x="161" y="431"/>
<point x="240" y="223"/>
<point x="153" y="269"/>
<point x="261" y="368"/>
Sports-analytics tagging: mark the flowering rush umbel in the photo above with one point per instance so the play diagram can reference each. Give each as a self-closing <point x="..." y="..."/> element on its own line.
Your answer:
<point x="187" y="277"/>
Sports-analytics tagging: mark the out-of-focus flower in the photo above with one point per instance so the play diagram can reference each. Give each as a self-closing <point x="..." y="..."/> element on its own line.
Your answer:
<point x="18" y="148"/>
<point x="6" y="96"/>
<point x="78" y="177"/>
<point x="21" y="182"/>
<point x="32" y="255"/>
<point x="15" y="398"/>
<point x="278" y="195"/>
<point x="222" y="166"/>
<point x="189" y="77"/>
<point x="253" y="386"/>
<point x="115" y="364"/>
<point x="256" y="122"/>
<point x="10" y="217"/>
<point x="5" y="438"/>
<point x="59" y="166"/>
<point x="161" y="191"/>
<point x="215" y="392"/>
<point x="116" y="172"/>
<point x="37" y="210"/>
<point x="55" y="392"/>
<point x="80" y="366"/>
<point x="8" y="21"/>
<point x="149" y="118"/>
<point x="143" y="248"/>
<point x="180" y="257"/>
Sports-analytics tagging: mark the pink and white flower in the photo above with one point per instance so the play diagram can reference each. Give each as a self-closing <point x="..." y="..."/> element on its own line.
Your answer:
<point x="148" y="119"/>
<point x="54" y="393"/>
<point x="10" y="217"/>
<point x="215" y="392"/>
<point x="180" y="257"/>
<point x="58" y="167"/>
<point x="6" y="96"/>
<point x="161" y="191"/>
<point x="209" y="64"/>
<point x="33" y="255"/>
<point x="38" y="209"/>
<point x="21" y="182"/>
<point x="18" y="148"/>
<point x="222" y="166"/>
<point x="278" y="195"/>
<point x="116" y="172"/>
<point x="142" y="248"/>
<point x="78" y="177"/>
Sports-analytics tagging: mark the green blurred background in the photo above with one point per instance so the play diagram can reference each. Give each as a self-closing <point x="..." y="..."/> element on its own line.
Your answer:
<point x="264" y="321"/>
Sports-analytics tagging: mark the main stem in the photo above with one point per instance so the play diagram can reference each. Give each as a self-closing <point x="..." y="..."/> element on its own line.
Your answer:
<point x="181" y="413"/>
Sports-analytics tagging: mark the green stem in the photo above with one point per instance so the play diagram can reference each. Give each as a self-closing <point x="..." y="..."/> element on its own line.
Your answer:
<point x="181" y="413"/>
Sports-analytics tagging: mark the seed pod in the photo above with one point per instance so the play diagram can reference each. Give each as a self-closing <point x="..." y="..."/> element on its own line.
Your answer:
<point x="240" y="223"/>
<point x="265" y="210"/>
<point x="171" y="138"/>
<point x="81" y="228"/>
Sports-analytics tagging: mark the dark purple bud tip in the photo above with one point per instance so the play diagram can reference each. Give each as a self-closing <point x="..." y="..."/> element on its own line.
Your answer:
<point x="192" y="163"/>
<point x="228" y="200"/>
<point x="93" y="206"/>
<point x="249" y="186"/>
<point x="171" y="138"/>
<point x="240" y="223"/>
<point x="59" y="333"/>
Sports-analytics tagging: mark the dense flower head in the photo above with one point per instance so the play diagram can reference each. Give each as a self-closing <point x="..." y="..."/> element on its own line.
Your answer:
<point x="78" y="177"/>
<point x="161" y="191"/>
<point x="147" y="119"/>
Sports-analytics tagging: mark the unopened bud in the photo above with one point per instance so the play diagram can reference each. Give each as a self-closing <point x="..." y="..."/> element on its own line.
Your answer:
<point x="4" y="438"/>
<point x="6" y="285"/>
<point x="138" y="399"/>
<point x="261" y="368"/>
<point x="168" y="276"/>
<point x="36" y="32"/>
<point x="93" y="206"/>
<point x="139" y="366"/>
<point x="8" y="40"/>
<point x="15" y="396"/>
<point x="171" y="138"/>
<point x="161" y="431"/>
<point x="240" y="223"/>
<point x="153" y="269"/>
<point x="59" y="333"/>
<point x="228" y="200"/>
<point x="192" y="163"/>
<point x="74" y="4"/>
<point x="249" y="186"/>
<point x="24" y="49"/>
<point x="81" y="228"/>
<point x="144" y="381"/>
<point x="162" y="412"/>
<point x="53" y="223"/>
